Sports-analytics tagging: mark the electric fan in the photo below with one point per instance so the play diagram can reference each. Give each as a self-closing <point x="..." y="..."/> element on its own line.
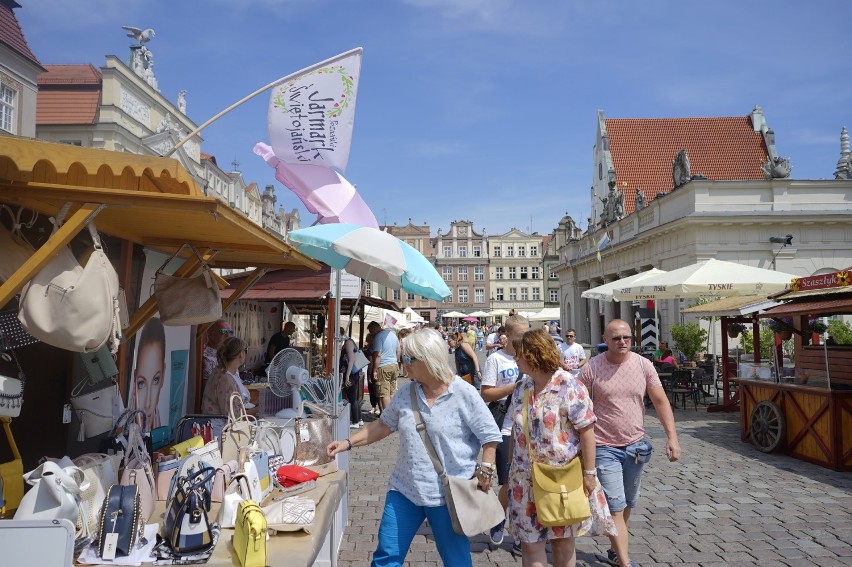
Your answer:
<point x="286" y="375"/>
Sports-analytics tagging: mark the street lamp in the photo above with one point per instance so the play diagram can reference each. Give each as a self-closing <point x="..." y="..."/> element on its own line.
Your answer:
<point x="784" y="241"/>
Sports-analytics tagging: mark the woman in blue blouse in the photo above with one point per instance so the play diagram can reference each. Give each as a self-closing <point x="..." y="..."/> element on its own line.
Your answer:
<point x="459" y="425"/>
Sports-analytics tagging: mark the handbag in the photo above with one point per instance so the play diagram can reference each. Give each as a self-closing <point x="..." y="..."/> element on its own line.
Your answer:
<point x="121" y="516"/>
<point x="250" y="535"/>
<point x="313" y="434"/>
<point x="99" y="365"/>
<point x="137" y="469"/>
<point x="12" y="389"/>
<point x="472" y="511"/>
<point x="238" y="432"/>
<point x="291" y="475"/>
<point x="498" y="409"/>
<point x="224" y="474"/>
<point x="94" y="409"/>
<point x="70" y="306"/>
<point x="360" y="361"/>
<point x="276" y="438"/>
<point x="290" y="514"/>
<point x="12" y="473"/>
<point x="187" y="528"/>
<point x="166" y="470"/>
<point x="91" y="496"/>
<point x="183" y="448"/>
<point x="116" y="442"/>
<point x="261" y="464"/>
<point x="55" y="494"/>
<point x="238" y="491"/>
<point x="208" y="426"/>
<point x="187" y="301"/>
<point x="557" y="490"/>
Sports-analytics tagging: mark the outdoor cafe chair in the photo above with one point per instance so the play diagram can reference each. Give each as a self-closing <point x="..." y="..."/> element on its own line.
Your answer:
<point x="683" y="387"/>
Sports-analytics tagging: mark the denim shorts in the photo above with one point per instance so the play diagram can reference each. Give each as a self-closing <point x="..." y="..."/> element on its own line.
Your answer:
<point x="620" y="473"/>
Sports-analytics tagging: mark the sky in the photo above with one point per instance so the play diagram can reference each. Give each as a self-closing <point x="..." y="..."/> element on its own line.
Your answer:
<point x="484" y="110"/>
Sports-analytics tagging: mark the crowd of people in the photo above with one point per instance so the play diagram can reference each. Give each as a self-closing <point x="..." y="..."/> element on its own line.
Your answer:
<point x="537" y="400"/>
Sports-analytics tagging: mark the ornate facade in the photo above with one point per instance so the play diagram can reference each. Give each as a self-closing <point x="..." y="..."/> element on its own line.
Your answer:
<point x="516" y="271"/>
<point x="461" y="257"/>
<point x="418" y="236"/>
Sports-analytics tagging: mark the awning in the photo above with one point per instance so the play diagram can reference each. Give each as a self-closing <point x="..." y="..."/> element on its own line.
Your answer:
<point x="151" y="201"/>
<point x="304" y="292"/>
<point x="734" y="306"/>
<point x="817" y="306"/>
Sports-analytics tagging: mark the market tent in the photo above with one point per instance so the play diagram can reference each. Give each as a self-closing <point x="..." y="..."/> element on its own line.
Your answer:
<point x="452" y="314"/>
<point x="605" y="292"/>
<point x="707" y="278"/>
<point x="479" y="314"/>
<point x="412" y="316"/>
<point x="546" y="314"/>
<point x="499" y="313"/>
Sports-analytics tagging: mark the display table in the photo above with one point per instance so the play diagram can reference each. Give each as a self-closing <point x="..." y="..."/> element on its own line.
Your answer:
<point x="319" y="548"/>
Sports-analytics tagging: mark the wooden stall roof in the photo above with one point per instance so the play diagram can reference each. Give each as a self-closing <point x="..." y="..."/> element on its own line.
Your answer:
<point x="151" y="201"/>
<point x="303" y="292"/>
<point x="824" y="301"/>
<point x="733" y="306"/>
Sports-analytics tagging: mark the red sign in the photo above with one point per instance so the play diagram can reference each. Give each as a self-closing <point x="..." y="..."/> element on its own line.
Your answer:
<point x="837" y="279"/>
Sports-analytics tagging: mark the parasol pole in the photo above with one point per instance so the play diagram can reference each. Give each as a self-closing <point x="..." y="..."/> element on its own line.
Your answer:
<point x="825" y="353"/>
<point x="337" y="340"/>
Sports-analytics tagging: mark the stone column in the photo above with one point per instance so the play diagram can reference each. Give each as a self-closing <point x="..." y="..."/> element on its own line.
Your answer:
<point x="609" y="306"/>
<point x="595" y="321"/>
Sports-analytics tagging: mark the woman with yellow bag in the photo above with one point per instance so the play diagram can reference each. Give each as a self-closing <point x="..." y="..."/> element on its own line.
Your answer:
<point x="552" y="448"/>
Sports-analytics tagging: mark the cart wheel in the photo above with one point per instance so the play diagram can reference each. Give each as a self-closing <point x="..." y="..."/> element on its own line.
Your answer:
<point x="768" y="426"/>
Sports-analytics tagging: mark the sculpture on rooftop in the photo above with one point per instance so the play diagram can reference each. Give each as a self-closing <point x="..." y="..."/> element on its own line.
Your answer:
<point x="181" y="101"/>
<point x="613" y="206"/>
<point x="844" y="164"/>
<point x="141" y="36"/>
<point x="680" y="169"/>
<point x="776" y="167"/>
<point x="640" y="199"/>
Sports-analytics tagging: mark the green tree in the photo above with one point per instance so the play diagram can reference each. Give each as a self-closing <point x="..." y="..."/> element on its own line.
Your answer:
<point x="688" y="338"/>
<point x="840" y="331"/>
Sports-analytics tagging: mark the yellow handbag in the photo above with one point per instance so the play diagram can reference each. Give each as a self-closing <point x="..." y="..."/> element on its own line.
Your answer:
<point x="557" y="491"/>
<point x="12" y="473"/>
<point x="250" y="535"/>
<point x="183" y="448"/>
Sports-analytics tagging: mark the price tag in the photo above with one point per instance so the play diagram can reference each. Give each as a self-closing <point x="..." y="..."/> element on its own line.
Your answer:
<point x="110" y="545"/>
<point x="304" y="435"/>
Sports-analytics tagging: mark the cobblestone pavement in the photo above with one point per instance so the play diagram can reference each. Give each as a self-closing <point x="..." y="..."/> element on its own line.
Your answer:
<point x="723" y="503"/>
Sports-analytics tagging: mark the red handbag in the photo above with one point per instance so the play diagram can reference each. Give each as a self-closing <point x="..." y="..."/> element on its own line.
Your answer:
<point x="291" y="475"/>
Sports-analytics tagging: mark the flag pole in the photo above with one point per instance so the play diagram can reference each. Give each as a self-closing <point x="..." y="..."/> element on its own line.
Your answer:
<point x="261" y="90"/>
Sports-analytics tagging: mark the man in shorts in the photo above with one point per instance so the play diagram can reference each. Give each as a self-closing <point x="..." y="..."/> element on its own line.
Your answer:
<point x="617" y="381"/>
<point x="498" y="382"/>
<point x="385" y="367"/>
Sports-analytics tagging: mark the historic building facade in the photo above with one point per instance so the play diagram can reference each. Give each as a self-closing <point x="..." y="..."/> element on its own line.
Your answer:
<point x="419" y="237"/>
<point x="19" y="70"/>
<point x="461" y="257"/>
<point x="516" y="269"/>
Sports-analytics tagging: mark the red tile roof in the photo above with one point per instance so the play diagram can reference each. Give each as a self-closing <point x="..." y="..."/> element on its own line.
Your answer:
<point x="11" y="33"/>
<point x="642" y="150"/>
<point x="68" y="94"/>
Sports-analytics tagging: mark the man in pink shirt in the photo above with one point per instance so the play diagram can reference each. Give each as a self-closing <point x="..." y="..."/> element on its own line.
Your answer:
<point x="617" y="381"/>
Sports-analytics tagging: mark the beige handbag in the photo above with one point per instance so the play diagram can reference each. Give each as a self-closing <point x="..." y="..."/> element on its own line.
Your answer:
<point x="73" y="307"/>
<point x="137" y="468"/>
<point x="238" y="432"/>
<point x="187" y="301"/>
<point x="313" y="434"/>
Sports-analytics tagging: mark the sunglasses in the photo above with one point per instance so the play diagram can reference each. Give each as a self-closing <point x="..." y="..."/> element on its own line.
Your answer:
<point x="226" y="332"/>
<point x="625" y="338"/>
<point x="569" y="336"/>
<point x="407" y="359"/>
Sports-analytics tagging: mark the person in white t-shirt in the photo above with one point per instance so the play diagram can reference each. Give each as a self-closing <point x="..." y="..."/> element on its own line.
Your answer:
<point x="573" y="354"/>
<point x="492" y="341"/>
<point x="498" y="382"/>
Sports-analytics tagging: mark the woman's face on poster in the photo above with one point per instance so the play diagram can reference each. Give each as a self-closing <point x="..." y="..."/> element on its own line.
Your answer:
<point x="148" y="378"/>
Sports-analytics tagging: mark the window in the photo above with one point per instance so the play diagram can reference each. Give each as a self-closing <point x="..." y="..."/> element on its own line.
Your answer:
<point x="7" y="109"/>
<point x="477" y="251"/>
<point x="533" y="251"/>
<point x="449" y="298"/>
<point x="536" y="294"/>
<point x="479" y="295"/>
<point x="525" y="294"/>
<point x="510" y="251"/>
<point x="496" y="252"/>
<point x="410" y="297"/>
<point x="462" y="295"/>
<point x="513" y="294"/>
<point x="498" y="273"/>
<point x="499" y="294"/>
<point x="512" y="275"/>
<point x="462" y="273"/>
<point x="396" y="295"/>
<point x="535" y="272"/>
<point x="522" y="251"/>
<point x="448" y="251"/>
<point x="553" y="274"/>
<point x="462" y="251"/>
<point x="524" y="274"/>
<point x="479" y="273"/>
<point x="554" y="295"/>
<point x="447" y="272"/>
<point x="426" y="315"/>
<point x="368" y="288"/>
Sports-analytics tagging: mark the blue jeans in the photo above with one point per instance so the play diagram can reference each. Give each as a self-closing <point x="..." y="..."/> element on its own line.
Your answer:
<point x="620" y="474"/>
<point x="400" y="521"/>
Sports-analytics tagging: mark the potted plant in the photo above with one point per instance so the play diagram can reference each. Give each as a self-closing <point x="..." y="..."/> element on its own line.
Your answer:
<point x="734" y="329"/>
<point x="688" y="338"/>
<point x="783" y="327"/>
<point x="817" y="326"/>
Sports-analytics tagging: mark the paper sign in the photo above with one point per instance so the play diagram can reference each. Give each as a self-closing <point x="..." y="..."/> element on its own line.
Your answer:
<point x="110" y="546"/>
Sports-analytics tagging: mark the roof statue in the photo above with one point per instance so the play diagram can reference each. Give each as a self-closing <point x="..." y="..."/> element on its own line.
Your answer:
<point x="640" y="199"/>
<point x="776" y="167"/>
<point x="613" y="206"/>
<point x="844" y="164"/>
<point x="680" y="169"/>
<point x="139" y="35"/>
<point x="181" y="101"/>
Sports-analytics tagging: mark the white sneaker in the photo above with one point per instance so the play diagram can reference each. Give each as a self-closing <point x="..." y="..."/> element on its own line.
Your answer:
<point x="360" y="424"/>
<point x="354" y="426"/>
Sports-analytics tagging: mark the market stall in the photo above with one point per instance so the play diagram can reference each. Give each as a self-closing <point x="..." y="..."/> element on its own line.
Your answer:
<point x="806" y="413"/>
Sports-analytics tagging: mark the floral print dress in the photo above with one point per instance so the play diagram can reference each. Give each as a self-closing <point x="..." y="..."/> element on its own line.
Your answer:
<point x="554" y="416"/>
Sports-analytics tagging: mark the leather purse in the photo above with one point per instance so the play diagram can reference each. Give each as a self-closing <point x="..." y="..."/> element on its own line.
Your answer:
<point x="183" y="448"/>
<point x="250" y="535"/>
<point x="291" y="475"/>
<point x="187" y="301"/>
<point x="116" y="441"/>
<point x="137" y="469"/>
<point x="12" y="473"/>
<point x="187" y="528"/>
<point x="238" y="433"/>
<point x="290" y="514"/>
<point x="224" y="474"/>
<point x="313" y="434"/>
<point x="12" y="389"/>
<point x="55" y="494"/>
<point x="73" y="307"/>
<point x="99" y="365"/>
<point x="121" y="514"/>
<point x="95" y="409"/>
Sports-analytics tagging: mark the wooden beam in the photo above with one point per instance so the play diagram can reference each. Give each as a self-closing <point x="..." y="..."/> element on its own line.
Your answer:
<point x="43" y="255"/>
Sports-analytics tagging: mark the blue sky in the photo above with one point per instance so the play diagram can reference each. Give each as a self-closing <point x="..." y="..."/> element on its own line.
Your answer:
<point x="483" y="109"/>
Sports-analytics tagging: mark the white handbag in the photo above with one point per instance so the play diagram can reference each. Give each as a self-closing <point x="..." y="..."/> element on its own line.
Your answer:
<point x="55" y="494"/>
<point x="238" y="491"/>
<point x="290" y="514"/>
<point x="11" y="396"/>
<point x="73" y="307"/>
<point x="95" y="410"/>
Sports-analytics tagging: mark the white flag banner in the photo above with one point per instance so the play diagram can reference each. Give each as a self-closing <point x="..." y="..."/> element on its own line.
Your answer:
<point x="311" y="116"/>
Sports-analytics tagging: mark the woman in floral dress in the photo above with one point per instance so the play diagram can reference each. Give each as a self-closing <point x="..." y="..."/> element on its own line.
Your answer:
<point x="560" y="421"/>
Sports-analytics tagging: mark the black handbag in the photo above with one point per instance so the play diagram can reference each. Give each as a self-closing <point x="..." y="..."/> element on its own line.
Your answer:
<point x="188" y="529"/>
<point x="121" y="515"/>
<point x="498" y="409"/>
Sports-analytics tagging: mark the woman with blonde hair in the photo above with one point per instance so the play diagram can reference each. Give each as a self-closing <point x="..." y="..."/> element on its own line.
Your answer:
<point x="557" y="427"/>
<point x="226" y="379"/>
<point x="467" y="363"/>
